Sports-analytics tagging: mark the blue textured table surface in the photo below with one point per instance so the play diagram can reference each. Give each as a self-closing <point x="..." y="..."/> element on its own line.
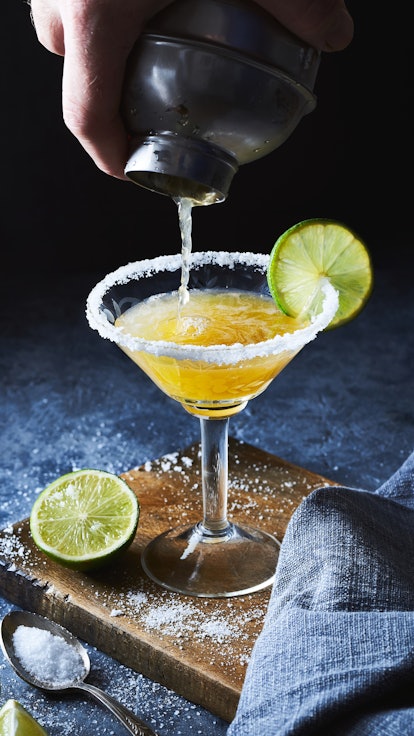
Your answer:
<point x="343" y="408"/>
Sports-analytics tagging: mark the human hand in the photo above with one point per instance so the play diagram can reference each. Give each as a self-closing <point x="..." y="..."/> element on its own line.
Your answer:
<point x="95" y="38"/>
<point x="324" y="24"/>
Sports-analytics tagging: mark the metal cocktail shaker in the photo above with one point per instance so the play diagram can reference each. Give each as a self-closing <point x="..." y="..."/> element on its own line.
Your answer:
<point x="211" y="85"/>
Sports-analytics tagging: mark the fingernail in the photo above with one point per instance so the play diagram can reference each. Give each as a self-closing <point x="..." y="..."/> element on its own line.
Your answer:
<point x="340" y="33"/>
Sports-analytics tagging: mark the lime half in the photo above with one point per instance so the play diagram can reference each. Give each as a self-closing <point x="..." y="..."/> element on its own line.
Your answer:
<point x="15" y="720"/>
<point x="84" y="519"/>
<point x="310" y="252"/>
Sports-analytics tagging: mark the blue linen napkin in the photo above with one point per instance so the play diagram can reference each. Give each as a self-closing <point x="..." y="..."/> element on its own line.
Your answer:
<point x="336" y="653"/>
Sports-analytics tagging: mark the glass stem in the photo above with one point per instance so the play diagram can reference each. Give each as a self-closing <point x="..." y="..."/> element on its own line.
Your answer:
<point x="214" y="473"/>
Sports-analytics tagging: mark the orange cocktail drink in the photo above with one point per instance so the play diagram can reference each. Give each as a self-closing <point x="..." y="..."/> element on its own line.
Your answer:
<point x="206" y="382"/>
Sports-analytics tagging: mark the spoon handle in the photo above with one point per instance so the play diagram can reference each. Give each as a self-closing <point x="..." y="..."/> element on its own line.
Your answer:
<point x="131" y="722"/>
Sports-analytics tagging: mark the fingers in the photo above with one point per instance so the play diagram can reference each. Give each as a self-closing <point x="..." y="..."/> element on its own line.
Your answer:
<point x="324" y="24"/>
<point x="96" y="39"/>
<point x="97" y="43"/>
<point x="48" y="25"/>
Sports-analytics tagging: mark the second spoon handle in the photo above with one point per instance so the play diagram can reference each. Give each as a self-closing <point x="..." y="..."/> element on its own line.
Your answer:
<point x="131" y="722"/>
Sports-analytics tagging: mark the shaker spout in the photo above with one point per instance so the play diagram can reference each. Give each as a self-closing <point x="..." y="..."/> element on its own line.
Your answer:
<point x="181" y="167"/>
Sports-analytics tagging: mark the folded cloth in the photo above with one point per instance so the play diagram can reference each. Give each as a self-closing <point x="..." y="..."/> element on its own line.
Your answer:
<point x="336" y="653"/>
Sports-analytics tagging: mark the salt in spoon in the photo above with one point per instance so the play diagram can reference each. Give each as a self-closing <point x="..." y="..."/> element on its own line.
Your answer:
<point x="14" y="619"/>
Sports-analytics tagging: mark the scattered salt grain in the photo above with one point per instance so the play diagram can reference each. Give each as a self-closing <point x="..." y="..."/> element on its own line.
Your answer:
<point x="138" y="598"/>
<point x="11" y="546"/>
<point x="182" y="619"/>
<point x="46" y="656"/>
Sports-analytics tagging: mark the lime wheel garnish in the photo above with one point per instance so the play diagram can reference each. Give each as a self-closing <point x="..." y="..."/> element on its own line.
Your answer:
<point x="310" y="252"/>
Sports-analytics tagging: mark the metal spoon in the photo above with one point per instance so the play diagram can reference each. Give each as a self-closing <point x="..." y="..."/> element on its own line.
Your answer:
<point x="9" y="625"/>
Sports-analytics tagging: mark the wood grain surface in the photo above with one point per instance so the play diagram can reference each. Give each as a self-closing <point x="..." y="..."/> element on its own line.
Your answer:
<point x="197" y="647"/>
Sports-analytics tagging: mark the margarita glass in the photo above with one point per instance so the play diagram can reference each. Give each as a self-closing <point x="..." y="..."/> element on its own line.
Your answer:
<point x="212" y="349"/>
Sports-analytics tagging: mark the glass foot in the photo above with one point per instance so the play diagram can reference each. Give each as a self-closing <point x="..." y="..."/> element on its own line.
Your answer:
<point x="194" y="561"/>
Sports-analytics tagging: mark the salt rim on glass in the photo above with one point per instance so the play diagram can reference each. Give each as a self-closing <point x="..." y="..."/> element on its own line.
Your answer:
<point x="220" y="354"/>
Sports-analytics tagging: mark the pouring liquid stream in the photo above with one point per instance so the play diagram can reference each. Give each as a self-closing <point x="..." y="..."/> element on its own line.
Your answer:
<point x="185" y="207"/>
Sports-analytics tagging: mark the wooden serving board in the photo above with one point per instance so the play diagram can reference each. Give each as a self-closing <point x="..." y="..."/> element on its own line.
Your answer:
<point x="197" y="647"/>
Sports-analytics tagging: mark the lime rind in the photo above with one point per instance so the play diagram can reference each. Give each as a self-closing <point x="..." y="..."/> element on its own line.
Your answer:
<point x="314" y="249"/>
